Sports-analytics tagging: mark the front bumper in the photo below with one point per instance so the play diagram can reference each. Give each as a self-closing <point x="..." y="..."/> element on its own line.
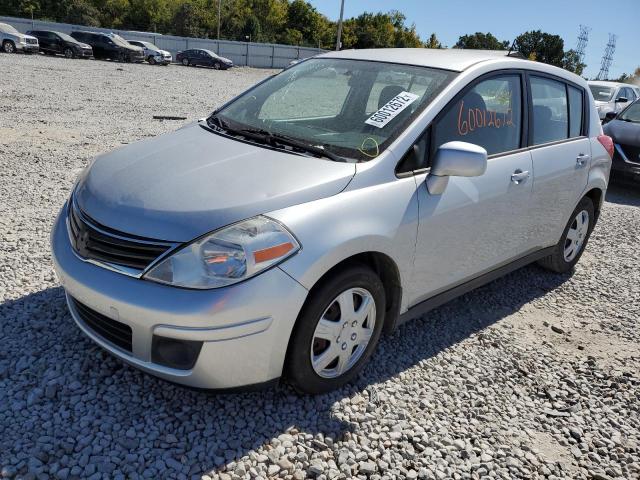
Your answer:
<point x="27" y="47"/>
<point x="245" y="328"/>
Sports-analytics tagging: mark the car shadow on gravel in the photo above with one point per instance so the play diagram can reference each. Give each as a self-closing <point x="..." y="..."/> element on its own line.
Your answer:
<point x="62" y="398"/>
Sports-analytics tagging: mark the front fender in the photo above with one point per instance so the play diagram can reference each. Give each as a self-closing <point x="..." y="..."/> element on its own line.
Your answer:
<point x="380" y="218"/>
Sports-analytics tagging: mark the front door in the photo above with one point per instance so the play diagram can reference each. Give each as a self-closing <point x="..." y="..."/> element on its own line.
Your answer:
<point x="477" y="224"/>
<point x="561" y="153"/>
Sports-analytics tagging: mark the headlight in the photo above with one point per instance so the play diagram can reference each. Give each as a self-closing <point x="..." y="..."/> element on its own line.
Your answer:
<point x="22" y="40"/>
<point x="227" y="256"/>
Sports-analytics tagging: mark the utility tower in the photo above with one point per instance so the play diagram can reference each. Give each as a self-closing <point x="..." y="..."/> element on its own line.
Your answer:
<point x="583" y="39"/>
<point x="607" y="58"/>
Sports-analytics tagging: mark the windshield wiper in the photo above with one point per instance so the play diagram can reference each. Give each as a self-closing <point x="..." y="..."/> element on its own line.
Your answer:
<point x="275" y="139"/>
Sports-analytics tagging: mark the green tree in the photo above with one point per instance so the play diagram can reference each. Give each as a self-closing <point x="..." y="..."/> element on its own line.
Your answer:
<point x="252" y="29"/>
<point x="81" y="12"/>
<point x="481" y="41"/>
<point x="186" y="21"/>
<point x="542" y="47"/>
<point x="433" y="42"/>
<point x="571" y="61"/>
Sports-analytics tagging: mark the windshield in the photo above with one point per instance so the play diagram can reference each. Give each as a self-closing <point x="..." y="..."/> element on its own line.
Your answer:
<point x="210" y="53"/>
<point x="117" y="39"/>
<point x="66" y="37"/>
<point x="7" y="28"/>
<point x="351" y="108"/>
<point x="631" y="114"/>
<point x="601" y="93"/>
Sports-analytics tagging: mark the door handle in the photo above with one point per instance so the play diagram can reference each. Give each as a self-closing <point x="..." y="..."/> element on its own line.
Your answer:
<point x="582" y="159"/>
<point x="519" y="176"/>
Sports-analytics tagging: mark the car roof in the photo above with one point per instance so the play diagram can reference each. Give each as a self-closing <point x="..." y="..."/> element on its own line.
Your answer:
<point x="443" y="58"/>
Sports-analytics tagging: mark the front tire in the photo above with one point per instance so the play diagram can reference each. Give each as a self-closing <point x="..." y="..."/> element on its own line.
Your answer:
<point x="8" y="47"/>
<point x="574" y="239"/>
<point x="336" y="332"/>
<point x="151" y="60"/>
<point x="68" y="53"/>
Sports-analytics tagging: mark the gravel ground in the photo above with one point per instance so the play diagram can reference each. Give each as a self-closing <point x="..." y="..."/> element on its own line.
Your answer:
<point x="535" y="375"/>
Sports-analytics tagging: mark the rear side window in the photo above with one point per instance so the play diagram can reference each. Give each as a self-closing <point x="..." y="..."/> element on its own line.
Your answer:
<point x="550" y="112"/>
<point x="489" y="115"/>
<point x="575" y="111"/>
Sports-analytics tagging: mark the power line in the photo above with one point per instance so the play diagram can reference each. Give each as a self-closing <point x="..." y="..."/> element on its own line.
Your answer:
<point x="607" y="58"/>
<point x="583" y="39"/>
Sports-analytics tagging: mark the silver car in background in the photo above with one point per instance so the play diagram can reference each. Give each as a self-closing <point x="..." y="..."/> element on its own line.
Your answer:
<point x="153" y="54"/>
<point x="283" y="234"/>
<point x="12" y="41"/>
<point x="612" y="96"/>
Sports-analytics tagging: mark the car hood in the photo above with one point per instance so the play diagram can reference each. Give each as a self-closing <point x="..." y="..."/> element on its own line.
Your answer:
<point x="626" y="133"/>
<point x="184" y="184"/>
<point x="24" y="37"/>
<point x="225" y="60"/>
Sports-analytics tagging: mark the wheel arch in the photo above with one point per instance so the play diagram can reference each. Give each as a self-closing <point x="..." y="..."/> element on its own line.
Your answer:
<point x="388" y="272"/>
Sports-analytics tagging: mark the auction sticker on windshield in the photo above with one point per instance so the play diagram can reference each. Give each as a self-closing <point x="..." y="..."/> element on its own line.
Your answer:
<point x="391" y="109"/>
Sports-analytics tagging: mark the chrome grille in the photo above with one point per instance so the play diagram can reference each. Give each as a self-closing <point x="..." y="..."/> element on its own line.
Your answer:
<point x="92" y="241"/>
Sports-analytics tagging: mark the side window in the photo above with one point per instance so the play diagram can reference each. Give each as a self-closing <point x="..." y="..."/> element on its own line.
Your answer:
<point x="575" y="112"/>
<point x="489" y="115"/>
<point x="621" y="93"/>
<point x="550" y="113"/>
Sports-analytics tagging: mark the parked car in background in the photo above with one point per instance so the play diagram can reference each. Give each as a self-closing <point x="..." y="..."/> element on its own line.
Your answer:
<point x="106" y="46"/>
<point x="153" y="54"/>
<point x="612" y="96"/>
<point x="624" y="129"/>
<point x="283" y="234"/>
<point x="205" y="58"/>
<point x="12" y="41"/>
<point x="52" y="43"/>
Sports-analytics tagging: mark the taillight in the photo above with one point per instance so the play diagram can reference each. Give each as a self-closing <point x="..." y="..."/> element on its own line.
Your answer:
<point x="607" y="142"/>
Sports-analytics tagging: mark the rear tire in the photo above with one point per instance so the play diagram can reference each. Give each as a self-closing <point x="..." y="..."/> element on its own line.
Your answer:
<point x="8" y="47"/>
<point x="323" y="356"/>
<point x="574" y="239"/>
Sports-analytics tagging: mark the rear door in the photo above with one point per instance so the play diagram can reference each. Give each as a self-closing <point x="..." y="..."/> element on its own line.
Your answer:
<point x="480" y="223"/>
<point x="561" y="152"/>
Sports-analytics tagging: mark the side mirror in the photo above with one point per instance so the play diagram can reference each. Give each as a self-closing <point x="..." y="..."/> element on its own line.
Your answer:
<point x="455" y="159"/>
<point x="621" y="100"/>
<point x="609" y="116"/>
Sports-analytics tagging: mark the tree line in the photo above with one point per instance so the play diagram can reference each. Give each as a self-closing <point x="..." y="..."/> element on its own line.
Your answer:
<point x="291" y="22"/>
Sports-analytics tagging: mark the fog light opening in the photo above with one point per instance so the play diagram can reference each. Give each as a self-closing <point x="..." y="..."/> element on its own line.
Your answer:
<point x="175" y="353"/>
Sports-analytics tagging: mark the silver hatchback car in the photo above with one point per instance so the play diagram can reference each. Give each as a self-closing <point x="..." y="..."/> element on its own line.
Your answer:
<point x="282" y="235"/>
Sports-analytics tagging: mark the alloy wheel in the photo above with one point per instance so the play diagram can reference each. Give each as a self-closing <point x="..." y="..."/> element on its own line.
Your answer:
<point x="185" y="62"/>
<point x="343" y="333"/>
<point x="576" y="235"/>
<point x="68" y="53"/>
<point x="9" y="47"/>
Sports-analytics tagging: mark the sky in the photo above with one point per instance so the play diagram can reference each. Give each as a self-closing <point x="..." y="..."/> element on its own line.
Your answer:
<point x="506" y="19"/>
